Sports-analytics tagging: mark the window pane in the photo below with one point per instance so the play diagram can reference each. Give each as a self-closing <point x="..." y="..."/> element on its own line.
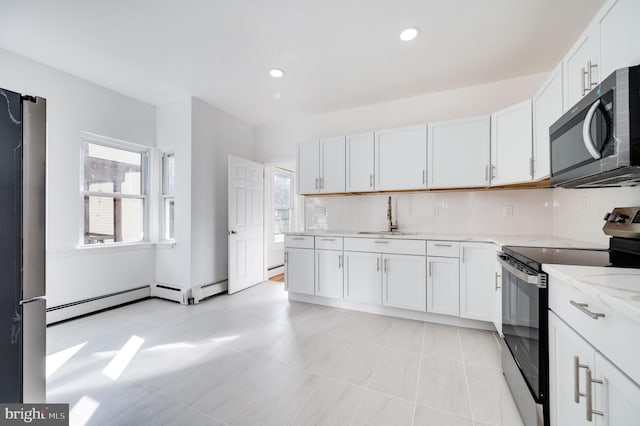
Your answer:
<point x="109" y="219"/>
<point x="281" y="190"/>
<point x="168" y="174"/>
<point x="169" y="218"/>
<point x="281" y="221"/>
<point x="115" y="170"/>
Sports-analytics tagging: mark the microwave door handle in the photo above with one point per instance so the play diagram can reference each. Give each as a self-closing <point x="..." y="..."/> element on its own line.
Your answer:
<point x="586" y="131"/>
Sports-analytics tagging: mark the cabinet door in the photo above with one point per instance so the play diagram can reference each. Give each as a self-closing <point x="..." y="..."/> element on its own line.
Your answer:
<point x="618" y="32"/>
<point x="497" y="298"/>
<point x="360" y="160"/>
<point x="617" y="397"/>
<point x="477" y="281"/>
<point x="329" y="273"/>
<point x="307" y="167"/>
<point x="299" y="272"/>
<point x="363" y="277"/>
<point x="332" y="165"/>
<point x="564" y="346"/>
<point x="547" y="108"/>
<point x="575" y="63"/>
<point x="443" y="285"/>
<point x="511" y="140"/>
<point x="401" y="158"/>
<point x="404" y="282"/>
<point x="458" y="153"/>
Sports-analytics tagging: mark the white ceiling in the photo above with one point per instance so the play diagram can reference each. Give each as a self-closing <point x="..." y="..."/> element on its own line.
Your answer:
<point x="337" y="53"/>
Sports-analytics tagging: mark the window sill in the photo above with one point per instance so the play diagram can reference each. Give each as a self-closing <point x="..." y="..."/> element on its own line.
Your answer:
<point x="166" y="244"/>
<point x="142" y="245"/>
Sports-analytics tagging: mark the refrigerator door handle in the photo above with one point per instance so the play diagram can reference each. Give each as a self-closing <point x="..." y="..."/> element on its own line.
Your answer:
<point x="33" y="299"/>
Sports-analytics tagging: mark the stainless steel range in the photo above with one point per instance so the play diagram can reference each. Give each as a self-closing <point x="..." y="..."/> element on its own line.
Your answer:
<point x="525" y="351"/>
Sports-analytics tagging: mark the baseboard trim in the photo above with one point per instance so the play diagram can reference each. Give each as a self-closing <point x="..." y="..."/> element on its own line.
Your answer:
<point x="393" y="312"/>
<point x="208" y="290"/>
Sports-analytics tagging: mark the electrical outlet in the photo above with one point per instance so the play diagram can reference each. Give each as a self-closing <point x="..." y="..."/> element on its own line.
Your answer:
<point x="434" y="211"/>
<point x="507" y="210"/>
<point x="321" y="211"/>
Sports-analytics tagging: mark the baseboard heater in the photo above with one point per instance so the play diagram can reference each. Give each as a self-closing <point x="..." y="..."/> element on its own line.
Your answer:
<point x="208" y="290"/>
<point x="95" y="304"/>
<point x="169" y="292"/>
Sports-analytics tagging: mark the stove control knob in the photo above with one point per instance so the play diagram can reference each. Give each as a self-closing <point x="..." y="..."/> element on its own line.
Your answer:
<point x="621" y="218"/>
<point x="606" y="216"/>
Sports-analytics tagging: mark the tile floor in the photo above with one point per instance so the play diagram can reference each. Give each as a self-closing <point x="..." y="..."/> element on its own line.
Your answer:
<point x="255" y="358"/>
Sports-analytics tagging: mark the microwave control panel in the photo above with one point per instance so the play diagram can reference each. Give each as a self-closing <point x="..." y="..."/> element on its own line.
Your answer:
<point x="623" y="222"/>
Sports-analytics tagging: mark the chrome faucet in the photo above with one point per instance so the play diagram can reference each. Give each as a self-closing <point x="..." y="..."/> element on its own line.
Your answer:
<point x="392" y="227"/>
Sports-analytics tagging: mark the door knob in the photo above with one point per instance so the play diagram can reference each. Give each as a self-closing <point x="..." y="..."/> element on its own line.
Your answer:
<point x="231" y="232"/>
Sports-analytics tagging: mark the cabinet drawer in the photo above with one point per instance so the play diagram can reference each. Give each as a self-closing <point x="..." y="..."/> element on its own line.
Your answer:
<point x="298" y="241"/>
<point x="443" y="248"/>
<point x="386" y="245"/>
<point x="613" y="335"/>
<point x="328" y="243"/>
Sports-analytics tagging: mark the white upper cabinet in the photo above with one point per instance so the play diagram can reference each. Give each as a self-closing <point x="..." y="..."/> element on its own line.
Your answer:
<point x="308" y="167"/>
<point x="332" y="165"/>
<point x="458" y="153"/>
<point x="609" y="42"/>
<point x="618" y="34"/>
<point x="511" y="139"/>
<point x="547" y="108"/>
<point x="321" y="166"/>
<point x="580" y="64"/>
<point x="401" y="158"/>
<point x="360" y="161"/>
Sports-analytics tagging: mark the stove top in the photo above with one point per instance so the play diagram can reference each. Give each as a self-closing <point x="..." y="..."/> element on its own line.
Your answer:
<point x="534" y="257"/>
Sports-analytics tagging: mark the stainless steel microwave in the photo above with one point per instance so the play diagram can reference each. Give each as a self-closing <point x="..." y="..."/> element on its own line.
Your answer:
<point x="597" y="142"/>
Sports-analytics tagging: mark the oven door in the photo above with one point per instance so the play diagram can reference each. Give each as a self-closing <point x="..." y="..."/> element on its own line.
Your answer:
<point x="524" y="322"/>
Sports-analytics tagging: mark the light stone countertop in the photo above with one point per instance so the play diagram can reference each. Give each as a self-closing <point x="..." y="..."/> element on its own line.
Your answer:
<point x="618" y="288"/>
<point x="500" y="240"/>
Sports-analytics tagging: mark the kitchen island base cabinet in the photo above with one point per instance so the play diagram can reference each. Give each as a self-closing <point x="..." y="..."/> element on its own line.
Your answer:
<point x="443" y="285"/>
<point x="404" y="282"/>
<point x="362" y="278"/>
<point x="299" y="270"/>
<point x="578" y="372"/>
<point x="329" y="275"/>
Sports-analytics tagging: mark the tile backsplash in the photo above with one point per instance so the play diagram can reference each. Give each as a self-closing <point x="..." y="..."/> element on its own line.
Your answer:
<point x="575" y="214"/>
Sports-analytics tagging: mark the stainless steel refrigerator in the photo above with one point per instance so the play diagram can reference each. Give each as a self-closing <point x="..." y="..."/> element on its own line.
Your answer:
<point x="22" y="248"/>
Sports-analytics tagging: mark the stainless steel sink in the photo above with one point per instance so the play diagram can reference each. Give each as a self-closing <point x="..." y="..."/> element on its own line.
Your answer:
<point x="386" y="233"/>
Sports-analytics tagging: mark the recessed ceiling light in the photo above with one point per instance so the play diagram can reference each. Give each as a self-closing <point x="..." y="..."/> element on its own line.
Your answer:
<point x="276" y="73"/>
<point x="409" y="34"/>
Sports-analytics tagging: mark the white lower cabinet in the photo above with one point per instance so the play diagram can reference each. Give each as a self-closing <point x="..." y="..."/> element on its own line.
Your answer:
<point x="299" y="270"/>
<point x="362" y="277"/>
<point x="443" y="291"/>
<point x="477" y="281"/>
<point x="584" y="387"/>
<point x="329" y="275"/>
<point x="404" y="281"/>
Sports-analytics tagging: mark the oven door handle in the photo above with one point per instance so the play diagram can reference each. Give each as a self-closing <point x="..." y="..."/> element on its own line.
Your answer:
<point x="539" y="280"/>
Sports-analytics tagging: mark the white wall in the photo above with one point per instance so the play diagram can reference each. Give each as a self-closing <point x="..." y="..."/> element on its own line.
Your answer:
<point x="277" y="142"/>
<point x="174" y="134"/>
<point x="74" y="106"/>
<point x="215" y="136"/>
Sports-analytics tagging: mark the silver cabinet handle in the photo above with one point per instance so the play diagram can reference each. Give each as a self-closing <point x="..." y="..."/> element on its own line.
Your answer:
<point x="386" y="265"/>
<point x="378" y="265"/>
<point x="321" y="183"/>
<point x="371" y="180"/>
<point x="583" y="308"/>
<point x="286" y="257"/>
<point x="494" y="175"/>
<point x="297" y="238"/>
<point x="442" y="245"/>
<point x="576" y="379"/>
<point x="316" y="183"/>
<point x="429" y="269"/>
<point x="381" y="242"/>
<point x="424" y="176"/>
<point x="340" y="261"/>
<point x="486" y="173"/>
<point x="497" y="280"/>
<point x="590" y="82"/>
<point x="328" y="239"/>
<point x="589" y="395"/>
<point x="583" y="75"/>
<point x="531" y="166"/>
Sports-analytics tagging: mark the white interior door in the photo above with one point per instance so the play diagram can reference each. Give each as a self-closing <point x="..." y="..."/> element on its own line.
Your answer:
<point x="246" y="225"/>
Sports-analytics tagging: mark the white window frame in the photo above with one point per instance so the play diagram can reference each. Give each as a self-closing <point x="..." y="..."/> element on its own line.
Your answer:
<point x="145" y="151"/>
<point x="164" y="196"/>
<point x="279" y="238"/>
